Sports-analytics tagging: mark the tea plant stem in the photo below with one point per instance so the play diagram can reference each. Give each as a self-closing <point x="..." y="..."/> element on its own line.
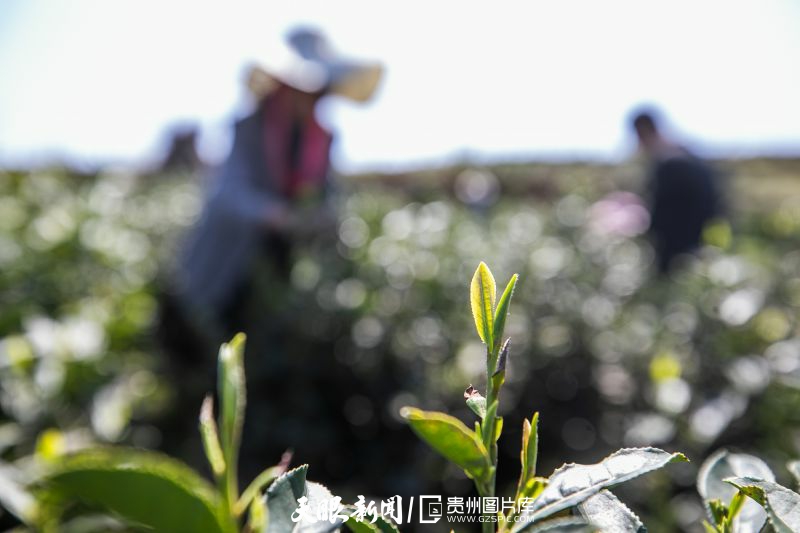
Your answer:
<point x="490" y="421"/>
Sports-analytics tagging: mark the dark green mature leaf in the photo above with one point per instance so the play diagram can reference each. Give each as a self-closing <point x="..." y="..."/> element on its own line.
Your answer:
<point x="281" y="499"/>
<point x="572" y="484"/>
<point x="782" y="505"/>
<point x="282" y="502"/>
<point x="606" y="512"/>
<point x="452" y="439"/>
<point x="140" y="486"/>
<point x="501" y="312"/>
<point x="483" y="293"/>
<point x="711" y="486"/>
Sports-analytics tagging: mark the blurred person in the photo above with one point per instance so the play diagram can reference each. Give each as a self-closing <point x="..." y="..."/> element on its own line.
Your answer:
<point x="272" y="192"/>
<point x="274" y="187"/>
<point x="182" y="154"/>
<point x="682" y="192"/>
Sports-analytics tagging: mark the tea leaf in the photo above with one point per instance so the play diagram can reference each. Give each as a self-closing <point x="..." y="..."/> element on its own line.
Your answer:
<point x="529" y="451"/>
<point x="281" y="499"/>
<point x="142" y="487"/>
<point x="571" y="484"/>
<point x="502" y="311"/>
<point x="782" y="505"/>
<point x="483" y="292"/>
<point x="475" y="401"/>
<point x="232" y="392"/>
<point x="257" y="517"/>
<point x="210" y="436"/>
<point x="452" y="439"/>
<point x="711" y="486"/>
<point x="319" y="497"/>
<point x="606" y="512"/>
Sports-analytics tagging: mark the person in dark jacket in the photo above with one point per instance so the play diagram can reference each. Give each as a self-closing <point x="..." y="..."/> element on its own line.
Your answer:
<point x="683" y="193"/>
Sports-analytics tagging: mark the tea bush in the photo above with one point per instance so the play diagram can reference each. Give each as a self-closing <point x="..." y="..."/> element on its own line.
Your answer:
<point x="611" y="356"/>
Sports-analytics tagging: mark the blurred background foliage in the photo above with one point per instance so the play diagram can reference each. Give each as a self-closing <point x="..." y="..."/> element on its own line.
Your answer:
<point x="376" y="318"/>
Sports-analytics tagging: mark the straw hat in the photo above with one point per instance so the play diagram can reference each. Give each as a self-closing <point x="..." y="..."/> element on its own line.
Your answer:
<point x="308" y="63"/>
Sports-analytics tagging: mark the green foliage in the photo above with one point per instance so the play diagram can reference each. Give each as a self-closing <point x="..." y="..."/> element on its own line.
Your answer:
<point x="726" y="509"/>
<point x="282" y="499"/>
<point x="483" y="293"/>
<point x="149" y="491"/>
<point x="571" y="486"/>
<point x="501" y="313"/>
<point x="529" y="452"/>
<point x="79" y="254"/>
<point x="606" y="512"/>
<point x="141" y="487"/>
<point x="782" y="505"/>
<point x="453" y="440"/>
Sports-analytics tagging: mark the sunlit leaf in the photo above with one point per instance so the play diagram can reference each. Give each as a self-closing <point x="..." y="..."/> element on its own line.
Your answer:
<point x="502" y="311"/>
<point x="782" y="505"/>
<point x="232" y="394"/>
<point x="231" y="389"/>
<point x="452" y="439"/>
<point x="571" y="484"/>
<point x="529" y="451"/>
<point x="320" y="497"/>
<point x="711" y="486"/>
<point x="143" y="487"/>
<point x="606" y="512"/>
<point x="483" y="293"/>
<point x="281" y="499"/>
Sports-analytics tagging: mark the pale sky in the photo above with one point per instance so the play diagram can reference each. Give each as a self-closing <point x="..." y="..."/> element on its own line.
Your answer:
<point x="102" y="80"/>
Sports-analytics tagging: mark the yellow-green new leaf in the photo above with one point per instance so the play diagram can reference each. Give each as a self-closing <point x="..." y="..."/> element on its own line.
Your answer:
<point x="502" y="311"/>
<point x="483" y="293"/>
<point x="452" y="439"/>
<point x="530" y="449"/>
